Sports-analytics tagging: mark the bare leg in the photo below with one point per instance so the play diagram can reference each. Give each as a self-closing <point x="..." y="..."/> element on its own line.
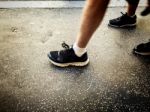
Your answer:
<point x="132" y="8"/>
<point x="148" y="3"/>
<point x="92" y="16"/>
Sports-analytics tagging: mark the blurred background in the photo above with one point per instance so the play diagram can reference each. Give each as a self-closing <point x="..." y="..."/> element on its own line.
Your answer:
<point x="56" y="3"/>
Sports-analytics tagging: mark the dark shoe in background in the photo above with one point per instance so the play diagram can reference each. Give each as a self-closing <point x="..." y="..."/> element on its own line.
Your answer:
<point x="142" y="49"/>
<point x="146" y="11"/>
<point x="123" y="21"/>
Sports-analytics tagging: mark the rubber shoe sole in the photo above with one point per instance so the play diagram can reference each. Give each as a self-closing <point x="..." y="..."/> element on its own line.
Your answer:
<point x="127" y="25"/>
<point x="77" y="64"/>
<point x="142" y="54"/>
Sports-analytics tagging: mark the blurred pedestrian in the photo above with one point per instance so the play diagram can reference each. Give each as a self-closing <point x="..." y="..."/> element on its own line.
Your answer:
<point x="129" y="19"/>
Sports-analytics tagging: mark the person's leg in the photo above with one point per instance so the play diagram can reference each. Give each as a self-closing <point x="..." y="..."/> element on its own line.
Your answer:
<point x="128" y="19"/>
<point x="132" y="6"/>
<point x="92" y="16"/>
<point x="146" y="11"/>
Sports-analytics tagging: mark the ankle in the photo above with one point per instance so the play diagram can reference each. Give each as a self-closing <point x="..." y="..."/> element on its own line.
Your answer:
<point x="79" y="51"/>
<point x="130" y="15"/>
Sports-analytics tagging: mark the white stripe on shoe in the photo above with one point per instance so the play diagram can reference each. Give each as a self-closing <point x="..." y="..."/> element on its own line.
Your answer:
<point x="142" y="53"/>
<point x="78" y="64"/>
<point x="127" y="25"/>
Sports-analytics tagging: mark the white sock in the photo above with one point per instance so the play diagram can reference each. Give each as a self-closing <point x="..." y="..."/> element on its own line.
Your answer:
<point x="79" y="51"/>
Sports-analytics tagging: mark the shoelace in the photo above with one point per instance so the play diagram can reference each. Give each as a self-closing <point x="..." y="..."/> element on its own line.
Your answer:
<point x="65" y="46"/>
<point x="123" y="15"/>
<point x="66" y="49"/>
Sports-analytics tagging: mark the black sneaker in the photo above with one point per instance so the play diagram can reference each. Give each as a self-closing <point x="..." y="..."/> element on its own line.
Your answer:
<point x="146" y="11"/>
<point x="123" y="21"/>
<point x="67" y="57"/>
<point x="142" y="49"/>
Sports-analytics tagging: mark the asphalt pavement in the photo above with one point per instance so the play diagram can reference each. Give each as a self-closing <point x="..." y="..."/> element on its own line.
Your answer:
<point x="114" y="81"/>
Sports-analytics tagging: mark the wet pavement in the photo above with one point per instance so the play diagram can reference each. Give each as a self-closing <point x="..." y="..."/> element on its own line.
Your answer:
<point x="114" y="81"/>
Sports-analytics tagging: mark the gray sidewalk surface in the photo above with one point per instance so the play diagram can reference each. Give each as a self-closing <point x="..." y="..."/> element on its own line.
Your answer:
<point x="114" y="81"/>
